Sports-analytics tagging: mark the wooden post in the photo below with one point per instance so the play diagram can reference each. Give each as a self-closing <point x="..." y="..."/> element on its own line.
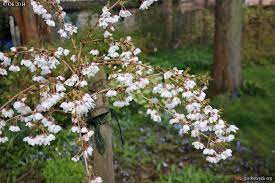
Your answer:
<point x="103" y="164"/>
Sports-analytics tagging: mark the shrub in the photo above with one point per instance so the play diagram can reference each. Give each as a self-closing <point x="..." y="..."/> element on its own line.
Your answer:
<point x="63" y="171"/>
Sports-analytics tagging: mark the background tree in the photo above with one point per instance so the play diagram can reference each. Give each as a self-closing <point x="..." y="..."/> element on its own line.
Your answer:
<point x="31" y="26"/>
<point x="227" y="53"/>
<point x="167" y="7"/>
<point x="204" y="22"/>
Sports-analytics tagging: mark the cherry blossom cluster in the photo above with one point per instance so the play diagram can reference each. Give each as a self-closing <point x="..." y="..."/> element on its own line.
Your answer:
<point x="67" y="29"/>
<point x="40" y="10"/>
<point x="60" y="84"/>
<point x="146" y="4"/>
<point x="5" y="64"/>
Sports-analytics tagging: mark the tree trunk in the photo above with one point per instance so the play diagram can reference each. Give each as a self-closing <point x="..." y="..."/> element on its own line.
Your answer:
<point x="167" y="6"/>
<point x="103" y="164"/>
<point x="204" y="37"/>
<point x="227" y="54"/>
<point x="31" y="26"/>
<point x="259" y="25"/>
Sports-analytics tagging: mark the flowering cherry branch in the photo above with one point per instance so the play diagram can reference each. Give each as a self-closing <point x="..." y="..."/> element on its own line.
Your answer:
<point x="66" y="90"/>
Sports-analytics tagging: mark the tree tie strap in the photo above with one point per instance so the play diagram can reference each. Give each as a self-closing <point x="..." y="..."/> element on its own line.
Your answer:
<point x="114" y="116"/>
<point x="96" y="122"/>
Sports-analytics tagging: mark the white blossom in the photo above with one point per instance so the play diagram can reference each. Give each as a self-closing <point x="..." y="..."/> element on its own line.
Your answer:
<point x="112" y="52"/>
<point x="212" y="159"/>
<point x="14" y="68"/>
<point x="168" y="75"/>
<point x="154" y="115"/>
<point x="82" y="83"/>
<point x="123" y="103"/>
<point x="29" y="65"/>
<point x="209" y="151"/>
<point x="21" y="108"/>
<point x="49" y="100"/>
<point x="79" y="107"/>
<point x="89" y="151"/>
<point x="39" y="140"/>
<point x="73" y="58"/>
<point x="40" y="10"/>
<point x="75" y="159"/>
<point x="137" y="51"/>
<point x="94" y="52"/>
<point x="39" y="79"/>
<point x="90" y="71"/>
<point x="2" y="56"/>
<point x="72" y="80"/>
<point x="14" y="128"/>
<point x="50" y="23"/>
<point x="3" y="140"/>
<point x="67" y="31"/>
<point x="106" y="19"/>
<point x="232" y="128"/>
<point x="189" y="84"/>
<point x="107" y="34"/>
<point x="198" y="145"/>
<point x="75" y="129"/>
<point x="184" y="129"/>
<point x="96" y="180"/>
<point x="13" y="49"/>
<point x="111" y="93"/>
<point x="84" y="130"/>
<point x="7" y="113"/>
<point x="66" y="52"/>
<point x="124" y="13"/>
<point x="60" y="87"/>
<point x="146" y="3"/>
<point x="3" y="72"/>
<point x="54" y="129"/>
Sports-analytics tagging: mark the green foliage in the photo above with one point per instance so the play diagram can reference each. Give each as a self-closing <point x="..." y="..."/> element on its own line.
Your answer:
<point x="254" y="114"/>
<point x="63" y="171"/>
<point x="259" y="35"/>
<point x="190" y="27"/>
<point x="191" y="175"/>
<point x="198" y="58"/>
<point x="19" y="158"/>
<point x="252" y="88"/>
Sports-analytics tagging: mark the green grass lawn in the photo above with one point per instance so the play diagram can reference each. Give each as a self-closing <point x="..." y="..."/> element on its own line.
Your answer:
<point x="254" y="115"/>
<point x="198" y="58"/>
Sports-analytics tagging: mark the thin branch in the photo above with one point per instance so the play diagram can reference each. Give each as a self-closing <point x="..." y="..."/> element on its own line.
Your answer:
<point x="18" y="94"/>
<point x="71" y="69"/>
